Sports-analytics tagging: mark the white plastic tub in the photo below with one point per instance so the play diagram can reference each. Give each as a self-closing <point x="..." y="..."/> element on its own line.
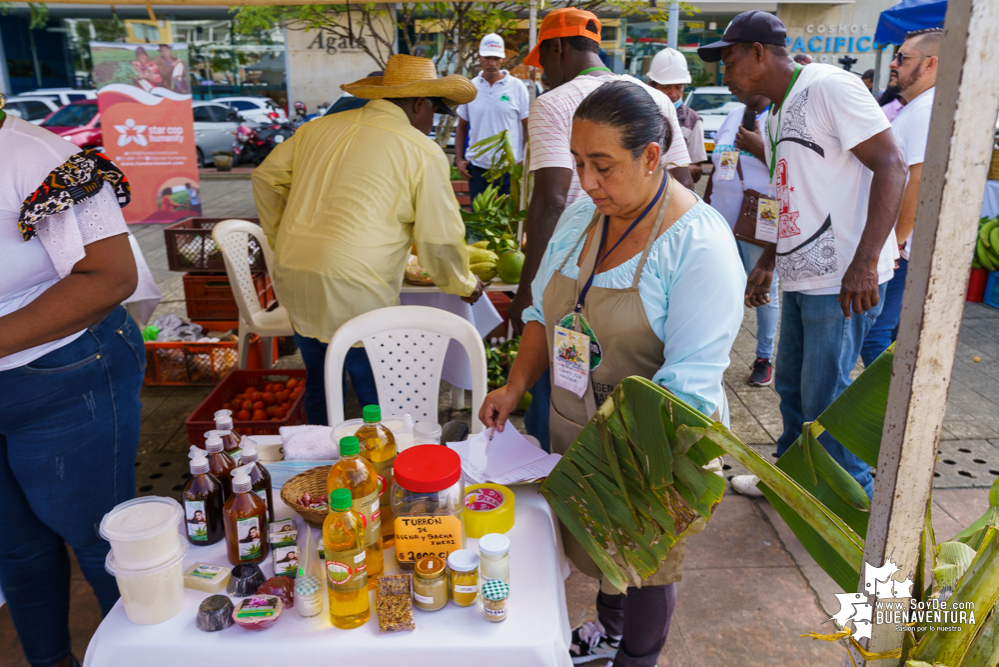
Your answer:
<point x="143" y="532"/>
<point x="151" y="595"/>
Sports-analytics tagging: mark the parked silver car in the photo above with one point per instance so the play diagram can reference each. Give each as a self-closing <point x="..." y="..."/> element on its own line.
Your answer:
<point x="213" y="130"/>
<point x="32" y="108"/>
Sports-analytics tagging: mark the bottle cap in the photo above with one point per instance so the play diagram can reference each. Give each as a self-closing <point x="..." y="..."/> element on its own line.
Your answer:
<point x="495" y="590"/>
<point x="241" y="482"/>
<point x="462" y="560"/>
<point x="249" y="452"/>
<point x="349" y="446"/>
<point x="494" y="544"/>
<point x="429" y="567"/>
<point x="371" y="413"/>
<point x="427" y="468"/>
<point x="223" y="420"/>
<point x="213" y="443"/>
<point x="407" y="421"/>
<point x="199" y="460"/>
<point x="427" y="431"/>
<point x="340" y="499"/>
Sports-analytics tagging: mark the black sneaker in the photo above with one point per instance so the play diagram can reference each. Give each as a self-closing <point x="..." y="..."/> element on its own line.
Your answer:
<point x="763" y="373"/>
<point x="589" y="642"/>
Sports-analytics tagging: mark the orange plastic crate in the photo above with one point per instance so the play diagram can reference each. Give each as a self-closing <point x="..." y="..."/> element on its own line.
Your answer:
<point x="192" y="364"/>
<point x="210" y="297"/>
<point x="191" y="248"/>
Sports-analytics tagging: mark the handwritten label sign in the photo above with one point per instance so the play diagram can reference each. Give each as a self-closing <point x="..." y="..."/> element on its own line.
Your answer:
<point x="426" y="535"/>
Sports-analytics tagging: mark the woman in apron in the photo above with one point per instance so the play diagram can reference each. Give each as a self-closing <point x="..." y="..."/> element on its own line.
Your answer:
<point x="650" y="275"/>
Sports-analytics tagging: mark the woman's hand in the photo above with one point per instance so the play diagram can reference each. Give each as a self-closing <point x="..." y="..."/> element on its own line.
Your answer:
<point x="498" y="405"/>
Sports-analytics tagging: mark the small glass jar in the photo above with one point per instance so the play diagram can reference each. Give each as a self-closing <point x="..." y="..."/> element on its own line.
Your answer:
<point x="464" y="567"/>
<point x="308" y="595"/>
<point x="427" y="433"/>
<point x="430" y="585"/>
<point x="427" y="495"/>
<point x="494" y="597"/>
<point x="494" y="557"/>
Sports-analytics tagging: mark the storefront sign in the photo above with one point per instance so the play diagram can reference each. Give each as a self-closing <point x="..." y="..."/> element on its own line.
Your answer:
<point x="147" y="125"/>
<point x="833" y="38"/>
<point x="332" y="44"/>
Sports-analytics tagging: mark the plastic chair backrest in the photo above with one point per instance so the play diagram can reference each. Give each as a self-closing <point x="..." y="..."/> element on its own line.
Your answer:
<point x="406" y="347"/>
<point x="233" y="238"/>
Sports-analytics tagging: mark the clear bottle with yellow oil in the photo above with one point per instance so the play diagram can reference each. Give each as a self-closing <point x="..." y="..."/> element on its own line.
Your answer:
<point x="378" y="447"/>
<point x="346" y="572"/>
<point x="356" y="474"/>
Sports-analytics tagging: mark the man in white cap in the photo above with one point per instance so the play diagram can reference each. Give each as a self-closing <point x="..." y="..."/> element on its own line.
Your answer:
<point x="668" y="74"/>
<point x="502" y="103"/>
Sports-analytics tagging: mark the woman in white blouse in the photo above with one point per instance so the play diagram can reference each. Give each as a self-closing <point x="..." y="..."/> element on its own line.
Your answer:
<point x="71" y="366"/>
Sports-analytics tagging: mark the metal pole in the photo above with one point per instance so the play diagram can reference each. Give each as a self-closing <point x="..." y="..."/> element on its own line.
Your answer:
<point x="532" y="40"/>
<point x="877" y="67"/>
<point x="674" y="24"/>
<point x="4" y="73"/>
<point x="950" y="199"/>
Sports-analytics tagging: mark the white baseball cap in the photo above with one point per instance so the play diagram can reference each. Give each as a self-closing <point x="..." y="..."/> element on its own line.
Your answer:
<point x="492" y="46"/>
<point x="669" y="67"/>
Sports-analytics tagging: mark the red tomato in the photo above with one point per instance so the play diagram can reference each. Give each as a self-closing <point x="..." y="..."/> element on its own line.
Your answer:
<point x="270" y="410"/>
<point x="281" y="412"/>
<point x="269" y="398"/>
<point x="292" y="383"/>
<point x="259" y="415"/>
<point x="257" y="396"/>
<point x="227" y="406"/>
<point x="283" y="396"/>
<point x="278" y="386"/>
<point x="243" y="415"/>
<point x="259" y="405"/>
<point x="247" y="405"/>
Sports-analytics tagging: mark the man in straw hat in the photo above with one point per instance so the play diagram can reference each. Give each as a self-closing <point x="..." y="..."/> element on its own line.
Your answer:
<point x="345" y="198"/>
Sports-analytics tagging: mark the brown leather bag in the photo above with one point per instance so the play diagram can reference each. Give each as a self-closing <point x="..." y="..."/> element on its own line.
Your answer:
<point x="745" y="224"/>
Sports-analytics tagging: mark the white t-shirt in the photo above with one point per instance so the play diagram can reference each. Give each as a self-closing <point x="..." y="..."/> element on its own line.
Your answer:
<point x="549" y="127"/>
<point x="26" y="271"/>
<point x="822" y="187"/>
<point x="500" y="106"/>
<point x="726" y="196"/>
<point x="911" y="128"/>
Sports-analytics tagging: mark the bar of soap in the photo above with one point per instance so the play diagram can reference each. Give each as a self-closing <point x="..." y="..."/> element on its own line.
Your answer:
<point x="245" y="579"/>
<point x="214" y="614"/>
<point x="206" y="577"/>
<point x="258" y="612"/>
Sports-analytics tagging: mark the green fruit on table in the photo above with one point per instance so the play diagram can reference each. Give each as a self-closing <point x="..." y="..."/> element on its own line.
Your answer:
<point x="486" y="271"/>
<point x="511" y="263"/>
<point x="481" y="255"/>
<point x="525" y="401"/>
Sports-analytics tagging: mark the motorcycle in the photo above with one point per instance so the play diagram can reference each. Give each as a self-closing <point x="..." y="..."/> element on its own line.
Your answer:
<point x="253" y="145"/>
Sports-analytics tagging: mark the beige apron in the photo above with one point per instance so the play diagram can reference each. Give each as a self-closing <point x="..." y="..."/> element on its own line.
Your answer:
<point x="629" y="346"/>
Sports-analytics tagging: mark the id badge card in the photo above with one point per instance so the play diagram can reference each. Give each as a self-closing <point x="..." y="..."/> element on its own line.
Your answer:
<point x="571" y="351"/>
<point x="727" y="165"/>
<point x="767" y="218"/>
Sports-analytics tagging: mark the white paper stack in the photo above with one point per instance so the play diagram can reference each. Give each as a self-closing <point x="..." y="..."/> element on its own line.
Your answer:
<point x="507" y="459"/>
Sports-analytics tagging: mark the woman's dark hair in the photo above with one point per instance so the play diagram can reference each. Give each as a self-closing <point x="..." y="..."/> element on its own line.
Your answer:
<point x="630" y="108"/>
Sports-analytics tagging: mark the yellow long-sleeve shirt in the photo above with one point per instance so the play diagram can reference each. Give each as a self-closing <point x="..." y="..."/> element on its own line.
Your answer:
<point x="342" y="202"/>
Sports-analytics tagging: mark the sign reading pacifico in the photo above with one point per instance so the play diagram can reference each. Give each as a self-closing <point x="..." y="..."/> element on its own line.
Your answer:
<point x="833" y="38"/>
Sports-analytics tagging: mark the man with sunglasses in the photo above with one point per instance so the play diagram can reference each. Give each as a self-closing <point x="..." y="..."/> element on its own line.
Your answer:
<point x="914" y="78"/>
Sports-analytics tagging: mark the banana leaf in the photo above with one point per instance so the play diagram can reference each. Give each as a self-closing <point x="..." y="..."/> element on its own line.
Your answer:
<point x="984" y="651"/>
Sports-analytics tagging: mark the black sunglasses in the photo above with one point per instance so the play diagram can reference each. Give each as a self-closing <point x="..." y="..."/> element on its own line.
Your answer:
<point x="901" y="57"/>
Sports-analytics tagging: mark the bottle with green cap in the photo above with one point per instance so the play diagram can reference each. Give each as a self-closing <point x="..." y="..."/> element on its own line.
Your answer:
<point x="378" y="446"/>
<point x="355" y="474"/>
<point x="346" y="562"/>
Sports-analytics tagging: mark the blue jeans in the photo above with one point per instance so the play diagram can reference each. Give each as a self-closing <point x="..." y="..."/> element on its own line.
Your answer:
<point x="355" y="365"/>
<point x="885" y="329"/>
<point x="767" y="316"/>
<point x="69" y="433"/>
<point x="818" y="349"/>
<point x="479" y="182"/>
<point x="536" y="418"/>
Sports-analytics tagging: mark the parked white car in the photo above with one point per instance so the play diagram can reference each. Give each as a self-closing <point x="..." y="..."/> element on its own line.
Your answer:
<point x="32" y="108"/>
<point x="714" y="103"/>
<point x="213" y="131"/>
<point x="63" y="96"/>
<point x="254" y="109"/>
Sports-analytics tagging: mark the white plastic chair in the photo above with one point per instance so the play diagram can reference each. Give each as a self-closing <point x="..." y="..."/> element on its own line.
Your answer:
<point x="406" y="347"/>
<point x="233" y="237"/>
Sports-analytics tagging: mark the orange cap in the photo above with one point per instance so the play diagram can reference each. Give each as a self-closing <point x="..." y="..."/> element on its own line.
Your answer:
<point x="565" y="22"/>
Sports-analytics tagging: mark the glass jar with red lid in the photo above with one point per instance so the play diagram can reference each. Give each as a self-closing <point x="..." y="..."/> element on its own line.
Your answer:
<point x="427" y="495"/>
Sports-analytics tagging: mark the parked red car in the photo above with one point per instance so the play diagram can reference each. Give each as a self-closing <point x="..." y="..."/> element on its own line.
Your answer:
<point x="79" y="122"/>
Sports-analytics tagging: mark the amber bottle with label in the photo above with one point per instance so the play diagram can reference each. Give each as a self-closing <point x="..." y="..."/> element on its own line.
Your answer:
<point x="231" y="440"/>
<point x="245" y="519"/>
<point x="378" y="447"/>
<point x="358" y="476"/>
<point x="220" y="464"/>
<point x="202" y="498"/>
<point x="259" y="476"/>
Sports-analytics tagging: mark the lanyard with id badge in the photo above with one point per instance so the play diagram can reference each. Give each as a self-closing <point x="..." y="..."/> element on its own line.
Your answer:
<point x="575" y="349"/>
<point x="768" y="210"/>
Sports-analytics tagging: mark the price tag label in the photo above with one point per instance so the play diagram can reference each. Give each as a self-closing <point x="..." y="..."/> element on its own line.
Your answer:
<point x="426" y="535"/>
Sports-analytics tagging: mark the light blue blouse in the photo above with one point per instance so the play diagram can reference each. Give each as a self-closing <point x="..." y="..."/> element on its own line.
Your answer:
<point x="691" y="286"/>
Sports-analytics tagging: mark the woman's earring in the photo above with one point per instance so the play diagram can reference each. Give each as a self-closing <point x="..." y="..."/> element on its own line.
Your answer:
<point x="650" y="172"/>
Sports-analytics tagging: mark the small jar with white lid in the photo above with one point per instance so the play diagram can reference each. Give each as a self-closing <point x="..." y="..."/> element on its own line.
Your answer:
<point x="427" y="433"/>
<point x="463" y="565"/>
<point x="494" y="557"/>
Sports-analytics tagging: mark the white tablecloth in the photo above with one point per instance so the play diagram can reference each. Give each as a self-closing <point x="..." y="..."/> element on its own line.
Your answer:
<point x="990" y="203"/>
<point x="483" y="316"/>
<point x="535" y="634"/>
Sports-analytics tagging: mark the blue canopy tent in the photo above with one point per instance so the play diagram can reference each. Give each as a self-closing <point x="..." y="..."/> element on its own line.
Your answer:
<point x="907" y="16"/>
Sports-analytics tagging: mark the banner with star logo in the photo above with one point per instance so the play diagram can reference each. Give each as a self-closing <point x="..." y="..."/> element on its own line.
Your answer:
<point x="147" y="123"/>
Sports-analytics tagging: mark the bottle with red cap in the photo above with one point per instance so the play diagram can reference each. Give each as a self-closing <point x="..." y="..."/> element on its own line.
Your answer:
<point x="427" y="495"/>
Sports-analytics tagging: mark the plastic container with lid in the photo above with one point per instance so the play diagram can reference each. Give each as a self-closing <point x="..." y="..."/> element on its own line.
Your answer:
<point x="427" y="433"/>
<point x="143" y="532"/>
<point x="151" y="595"/>
<point x="494" y="557"/>
<point x="494" y="596"/>
<point x="463" y="565"/>
<point x="427" y="493"/>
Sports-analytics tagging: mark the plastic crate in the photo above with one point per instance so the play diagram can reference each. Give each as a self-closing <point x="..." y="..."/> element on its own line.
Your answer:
<point x="209" y="296"/>
<point x="191" y="248"/>
<point x="193" y="364"/>
<point x="992" y="290"/>
<point x="203" y="417"/>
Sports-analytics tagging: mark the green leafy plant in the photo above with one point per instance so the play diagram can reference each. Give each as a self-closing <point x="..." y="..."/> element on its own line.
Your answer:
<point x="503" y="161"/>
<point x="200" y="533"/>
<point x="499" y="361"/>
<point x="493" y="219"/>
<point x="252" y="551"/>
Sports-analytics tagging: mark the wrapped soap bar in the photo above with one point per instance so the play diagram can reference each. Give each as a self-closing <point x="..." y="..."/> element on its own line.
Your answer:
<point x="206" y="577"/>
<point x="245" y="579"/>
<point x="283" y="533"/>
<point x="259" y="612"/>
<point x="214" y="614"/>
<point x="283" y="538"/>
<point x="282" y="587"/>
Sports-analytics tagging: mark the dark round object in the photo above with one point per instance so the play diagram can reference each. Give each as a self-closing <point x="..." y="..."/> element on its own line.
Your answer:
<point x="245" y="579"/>
<point x="214" y="614"/>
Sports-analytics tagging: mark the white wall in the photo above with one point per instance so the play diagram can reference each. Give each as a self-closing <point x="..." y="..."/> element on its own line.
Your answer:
<point x="318" y="63"/>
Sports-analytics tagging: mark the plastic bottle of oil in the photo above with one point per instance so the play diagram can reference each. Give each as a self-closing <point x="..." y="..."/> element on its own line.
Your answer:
<point x="378" y="446"/>
<point x="258" y="475"/>
<point x="346" y="574"/>
<point x="245" y="520"/>
<point x="355" y="473"/>
<point x="220" y="464"/>
<point x="230" y="438"/>
<point x="202" y="497"/>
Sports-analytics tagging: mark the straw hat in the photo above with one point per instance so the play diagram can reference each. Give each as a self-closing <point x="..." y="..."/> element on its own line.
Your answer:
<point x="409" y="76"/>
